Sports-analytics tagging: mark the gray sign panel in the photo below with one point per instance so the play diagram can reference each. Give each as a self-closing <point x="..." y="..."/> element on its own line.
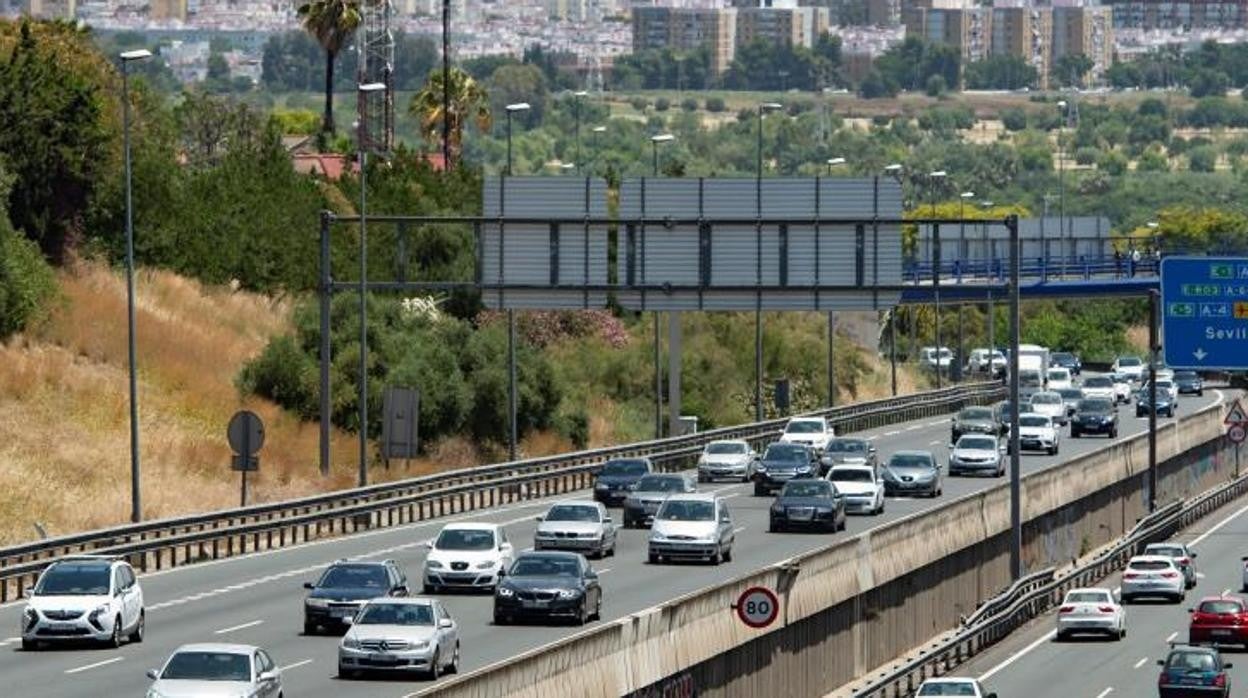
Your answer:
<point x="797" y="261"/>
<point x="541" y="257"/>
<point x="1041" y="238"/>
<point x="400" y="433"/>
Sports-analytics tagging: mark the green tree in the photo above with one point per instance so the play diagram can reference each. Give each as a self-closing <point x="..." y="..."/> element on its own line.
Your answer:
<point x="27" y="283"/>
<point x="936" y="86"/>
<point x="1112" y="163"/>
<point x="1014" y="119"/>
<point x="468" y="103"/>
<point x="1153" y="160"/>
<point x="1000" y="72"/>
<point x="1071" y="69"/>
<point x="331" y="23"/>
<point x="1202" y="158"/>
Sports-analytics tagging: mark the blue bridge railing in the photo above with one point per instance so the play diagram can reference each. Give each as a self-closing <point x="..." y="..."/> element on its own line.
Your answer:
<point x="1039" y="268"/>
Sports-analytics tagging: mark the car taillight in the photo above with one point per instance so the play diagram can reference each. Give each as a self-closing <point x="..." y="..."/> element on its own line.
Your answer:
<point x="1184" y="561"/>
<point x="1169" y="575"/>
<point x="1220" y="680"/>
<point x="1066" y="609"/>
<point x="1105" y="609"/>
<point x="1130" y="575"/>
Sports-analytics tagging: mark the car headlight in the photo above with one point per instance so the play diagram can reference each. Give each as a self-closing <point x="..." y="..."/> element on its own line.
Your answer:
<point x="99" y="611"/>
<point x="569" y="593"/>
<point x="803" y="468"/>
<point x="317" y="603"/>
<point x="433" y="564"/>
<point x="506" y="592"/>
<point x="420" y="644"/>
<point x="600" y="485"/>
<point x="657" y="537"/>
<point x="29" y="614"/>
<point x="486" y="565"/>
<point x="350" y="643"/>
<point x="776" y="508"/>
<point x="762" y="468"/>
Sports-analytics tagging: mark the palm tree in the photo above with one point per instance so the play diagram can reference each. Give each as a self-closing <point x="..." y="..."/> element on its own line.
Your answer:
<point x="468" y="100"/>
<point x="331" y="23"/>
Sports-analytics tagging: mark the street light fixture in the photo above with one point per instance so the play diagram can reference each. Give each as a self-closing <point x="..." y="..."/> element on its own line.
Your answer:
<point x="512" y="109"/>
<point x="654" y="147"/>
<point x="136" y="503"/>
<point x="763" y="108"/>
<point x="833" y="162"/>
<point x="362" y="145"/>
<point x="576" y="109"/>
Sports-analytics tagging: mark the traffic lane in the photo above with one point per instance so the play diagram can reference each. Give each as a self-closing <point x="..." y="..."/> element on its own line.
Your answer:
<point x="637" y="580"/>
<point x="1032" y="662"/>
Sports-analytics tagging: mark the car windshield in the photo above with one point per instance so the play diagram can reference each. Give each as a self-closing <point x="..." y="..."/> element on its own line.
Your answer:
<point x="978" y="443"/>
<point x="570" y="512"/>
<point x="1095" y="406"/>
<point x="396" y="614"/>
<point x="1031" y="420"/>
<point x="1098" y="382"/>
<point x="660" y="484"/>
<point x="1046" y="399"/>
<point x="910" y="460"/>
<point x="1062" y="357"/>
<point x="464" y="539"/>
<point x="1088" y="597"/>
<point x="850" y="475"/>
<point x="809" y="488"/>
<point x="1167" y="550"/>
<point x="847" y="446"/>
<point x="806" y="426"/>
<point x="686" y="510"/>
<point x="1185" y="375"/>
<point x="975" y="413"/>
<point x="544" y="566"/>
<point x="948" y="689"/>
<point x="74" y="579"/>
<point x="726" y="448"/>
<point x="625" y="468"/>
<point x="1221" y="606"/>
<point x="1191" y="661"/>
<point x="1071" y="393"/>
<point x="354" y="576"/>
<point x="1149" y="565"/>
<point x="1059" y="374"/>
<point x="1128" y="361"/>
<point x="1165" y="384"/>
<point x="786" y="452"/>
<point x="207" y="666"/>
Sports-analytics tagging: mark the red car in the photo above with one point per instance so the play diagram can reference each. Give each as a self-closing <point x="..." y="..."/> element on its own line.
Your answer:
<point x="1220" y="620"/>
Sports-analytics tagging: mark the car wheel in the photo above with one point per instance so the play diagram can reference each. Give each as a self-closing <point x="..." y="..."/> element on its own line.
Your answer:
<point x="453" y="667"/>
<point x="1113" y="433"/>
<point x="1074" y="433"/>
<point x="500" y="619"/>
<point x="718" y="557"/>
<point x="1060" y="637"/>
<point x="760" y="491"/>
<point x="343" y="672"/>
<point x="29" y="645"/>
<point x="1053" y="451"/>
<point x="597" y="608"/>
<point x="728" y="554"/>
<point x="611" y="550"/>
<point x="430" y="589"/>
<point x="137" y="635"/>
<point x="435" y="666"/>
<point x="654" y="559"/>
<point x="309" y="628"/>
<point x="701" y="478"/>
<point x="114" y="640"/>
<point x="582" y="615"/>
<point x="1200" y="393"/>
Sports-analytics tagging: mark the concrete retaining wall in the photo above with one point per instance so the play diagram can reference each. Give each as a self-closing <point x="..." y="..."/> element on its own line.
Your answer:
<point x="862" y="601"/>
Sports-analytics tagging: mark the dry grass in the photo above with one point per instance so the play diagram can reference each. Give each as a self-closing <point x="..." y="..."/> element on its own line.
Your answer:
<point x="64" y="423"/>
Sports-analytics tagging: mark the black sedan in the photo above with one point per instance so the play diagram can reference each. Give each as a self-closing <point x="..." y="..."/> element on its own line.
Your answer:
<point x="649" y="493"/>
<point x="808" y="504"/>
<point x="1064" y="359"/>
<point x="783" y="462"/>
<point x="1095" y="416"/>
<point x="846" y="450"/>
<point x="1189" y="383"/>
<point x="1165" y="405"/>
<point x="618" y="477"/>
<point x="340" y="593"/>
<point x="548" y="586"/>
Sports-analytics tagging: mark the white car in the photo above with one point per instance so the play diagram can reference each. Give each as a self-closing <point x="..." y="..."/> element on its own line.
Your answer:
<point x="1037" y="432"/>
<point x="1091" y="611"/>
<point x="216" y="670"/>
<point x="1129" y="366"/>
<point x="692" y="527"/>
<point x="467" y="556"/>
<point x="808" y="431"/>
<point x="401" y="636"/>
<point x="969" y="688"/>
<point x="1060" y="378"/>
<point x="862" y="486"/>
<point x="733" y="459"/>
<point x="84" y="597"/>
<point x="1123" y="389"/>
<point x="977" y="453"/>
<point x="981" y="359"/>
<point x="582" y="526"/>
<point x="1166" y="387"/>
<point x="1101" y="387"/>
<point x="1153" y="575"/>
<point x="1049" y="404"/>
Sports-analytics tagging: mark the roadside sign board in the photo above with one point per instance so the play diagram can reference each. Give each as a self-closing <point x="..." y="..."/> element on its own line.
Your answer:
<point x="1236" y="433"/>
<point x="1236" y="415"/>
<point x="245" y="433"/>
<point x="758" y="607"/>
<point x="1204" y="312"/>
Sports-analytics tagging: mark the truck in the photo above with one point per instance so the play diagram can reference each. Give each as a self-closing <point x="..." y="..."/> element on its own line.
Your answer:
<point x="1033" y="367"/>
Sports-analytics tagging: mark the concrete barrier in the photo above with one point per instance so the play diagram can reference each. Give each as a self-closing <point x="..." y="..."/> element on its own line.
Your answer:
<point x="861" y="602"/>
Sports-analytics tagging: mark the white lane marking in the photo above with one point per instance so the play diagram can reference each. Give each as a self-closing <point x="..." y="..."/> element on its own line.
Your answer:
<point x="729" y="496"/>
<point x="872" y="438"/>
<point x="1017" y="655"/>
<point x="1106" y="692"/>
<point x="242" y="626"/>
<point x="296" y="665"/>
<point x="1142" y="662"/>
<point x="934" y="443"/>
<point x="9" y="641"/>
<point x="738" y="529"/>
<point x="604" y="570"/>
<point x="1171" y="636"/>
<point x="935" y="423"/>
<point x="913" y="427"/>
<point x="892" y="433"/>
<point x="1225" y="592"/>
<point x="94" y="665"/>
<point x="1213" y="529"/>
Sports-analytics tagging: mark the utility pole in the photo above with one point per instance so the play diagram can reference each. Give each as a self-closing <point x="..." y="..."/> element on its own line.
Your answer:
<point x="1016" y="507"/>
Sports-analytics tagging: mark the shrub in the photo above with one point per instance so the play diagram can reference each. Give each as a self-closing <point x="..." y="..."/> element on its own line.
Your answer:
<point x="1202" y="158"/>
<point x="1113" y="163"/>
<point x="284" y="374"/>
<point x="689" y="104"/>
<point x="662" y="104"/>
<point x="1086" y="156"/>
<point x="1153" y="160"/>
<point x="639" y="103"/>
<point x="936" y="86"/>
<point x="27" y="283"/>
<point x="715" y="105"/>
<point x="1014" y="119"/>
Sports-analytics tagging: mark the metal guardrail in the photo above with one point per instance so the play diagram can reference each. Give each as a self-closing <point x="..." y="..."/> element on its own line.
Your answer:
<point x="210" y="536"/>
<point x="998" y="269"/>
<point x="1035" y="594"/>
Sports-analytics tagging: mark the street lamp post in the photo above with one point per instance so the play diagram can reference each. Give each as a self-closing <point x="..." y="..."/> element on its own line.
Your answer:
<point x="1061" y="173"/>
<point x="758" y="238"/>
<point x="658" y="366"/>
<point x="576" y="108"/>
<point x="962" y="258"/>
<point x="933" y="177"/>
<point x="832" y="162"/>
<point x="595" y="131"/>
<point x="136" y="502"/>
<point x="512" y="431"/>
<point x="894" y="171"/>
<point x="362" y="144"/>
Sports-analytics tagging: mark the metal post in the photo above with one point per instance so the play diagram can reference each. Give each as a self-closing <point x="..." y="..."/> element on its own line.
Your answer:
<point x="831" y="359"/>
<point x="758" y="298"/>
<point x="992" y="336"/>
<point x="326" y="414"/>
<point x="758" y="363"/>
<point x="363" y="378"/>
<point x="136" y="502"/>
<point x="513" y="433"/>
<point x="1152" y="399"/>
<point x="936" y="288"/>
<point x="673" y="372"/>
<point x="958" y="356"/>
<point x="658" y="381"/>
<point x="446" y="84"/>
<point x="892" y="346"/>
<point x="576" y="107"/>
<point x="1016" y="524"/>
<point x="243" y="495"/>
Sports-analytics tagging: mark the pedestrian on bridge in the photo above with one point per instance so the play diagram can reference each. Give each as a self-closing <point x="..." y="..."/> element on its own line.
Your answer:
<point x="1117" y="264"/>
<point x="1135" y="261"/>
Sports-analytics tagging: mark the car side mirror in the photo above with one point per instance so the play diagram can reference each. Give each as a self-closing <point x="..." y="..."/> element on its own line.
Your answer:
<point x="949" y="446"/>
<point x="446" y="623"/>
<point x="1228" y="665"/>
<point x="399" y="589"/>
<point x="153" y="674"/>
<point x="1161" y="662"/>
<point x="29" y="593"/>
<point x="267" y="676"/>
<point x="991" y="695"/>
<point x="591" y="576"/>
<point x="1192" y="555"/>
<point x="349" y="620"/>
<point x="538" y="518"/>
<point x="502" y="573"/>
<point x="1191" y="610"/>
<point x="309" y="585"/>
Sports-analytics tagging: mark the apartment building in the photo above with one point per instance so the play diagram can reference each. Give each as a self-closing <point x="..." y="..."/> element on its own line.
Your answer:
<point x="791" y="25"/>
<point x="568" y="10"/>
<point x="1179" y="14"/>
<point x="967" y="28"/>
<point x="1088" y="31"/>
<point x="50" y="9"/>
<point x="1026" y="32"/>
<point x="684" y="29"/>
<point x="165" y="10"/>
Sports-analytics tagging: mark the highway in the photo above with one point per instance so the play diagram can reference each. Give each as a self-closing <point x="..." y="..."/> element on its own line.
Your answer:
<point x="258" y="599"/>
<point x="1031" y="663"/>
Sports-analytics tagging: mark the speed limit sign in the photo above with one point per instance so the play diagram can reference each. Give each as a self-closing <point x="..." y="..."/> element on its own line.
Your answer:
<point x="1236" y="433"/>
<point x="757" y="607"/>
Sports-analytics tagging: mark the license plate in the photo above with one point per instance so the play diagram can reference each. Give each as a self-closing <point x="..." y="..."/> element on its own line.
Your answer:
<point x="383" y="658"/>
<point x="343" y="612"/>
<point x="801" y="514"/>
<point x="1221" y="633"/>
<point x="535" y="604"/>
<point x="61" y="626"/>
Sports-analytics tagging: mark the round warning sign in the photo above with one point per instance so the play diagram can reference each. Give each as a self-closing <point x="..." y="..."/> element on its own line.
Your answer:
<point x="1236" y="433"/>
<point x="757" y="607"/>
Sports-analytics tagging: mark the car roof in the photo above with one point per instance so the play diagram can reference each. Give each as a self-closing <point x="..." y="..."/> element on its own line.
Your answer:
<point x="1088" y="589"/>
<point x="852" y="466"/>
<point x="1154" y="546"/>
<point x="806" y="419"/>
<point x="225" y="647"/>
<point x="471" y="526"/>
<point x="1150" y="558"/>
<point x="559" y="554"/>
<point x="693" y="497"/>
<point x="1227" y="597"/>
<point x="913" y="453"/>
<point x="576" y="503"/>
<point x="728" y="441"/>
<point x="360" y="563"/>
<point x="404" y="600"/>
<point x="665" y="476"/>
<point x="952" y="679"/>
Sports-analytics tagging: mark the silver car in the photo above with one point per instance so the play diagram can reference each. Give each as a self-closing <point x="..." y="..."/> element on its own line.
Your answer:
<point x="216" y="669"/>
<point x="976" y="453"/>
<point x="1049" y="404"/>
<point x="733" y="459"/>
<point x="1183" y="556"/>
<point x="692" y="527"/>
<point x="582" y="526"/>
<point x="1153" y="575"/>
<point x="415" y="635"/>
